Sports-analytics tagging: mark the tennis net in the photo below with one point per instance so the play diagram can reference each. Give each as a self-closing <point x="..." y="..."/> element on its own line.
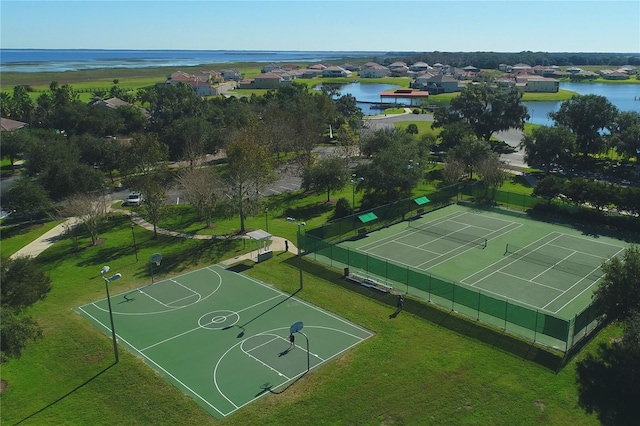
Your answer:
<point x="456" y="236"/>
<point x="574" y="268"/>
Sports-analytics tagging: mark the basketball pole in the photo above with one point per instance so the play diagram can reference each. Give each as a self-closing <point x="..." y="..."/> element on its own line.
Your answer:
<point x="104" y="270"/>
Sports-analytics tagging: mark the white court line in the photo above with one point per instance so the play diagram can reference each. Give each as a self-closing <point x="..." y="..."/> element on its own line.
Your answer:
<point x="554" y="265"/>
<point x="260" y="361"/>
<point x="473" y="248"/>
<point x="160" y="367"/>
<point x="198" y="328"/>
<point x="475" y="226"/>
<point x="530" y="281"/>
<point x="306" y="304"/>
<point x="502" y="260"/>
<point x="284" y="383"/>
<point x="407" y="232"/>
<point x="587" y="288"/>
<point x="580" y="252"/>
<point x="592" y="241"/>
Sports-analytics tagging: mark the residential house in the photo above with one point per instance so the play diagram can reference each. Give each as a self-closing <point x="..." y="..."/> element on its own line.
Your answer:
<point x="310" y="73"/>
<point x="335" y="71"/>
<point x="114" y="103"/>
<point x="8" y="125"/>
<point x="269" y="80"/>
<point x="200" y="85"/>
<point x="616" y="75"/>
<point x="318" y="67"/>
<point x="350" y="67"/>
<point x="270" y="67"/>
<point x="230" y="74"/>
<point x="419" y="66"/>
<point x="374" y="71"/>
<point x="519" y="69"/>
<point x="436" y="84"/>
<point x="536" y="83"/>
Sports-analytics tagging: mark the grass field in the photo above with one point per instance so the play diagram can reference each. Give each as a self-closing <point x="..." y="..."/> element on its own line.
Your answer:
<point x="423" y="364"/>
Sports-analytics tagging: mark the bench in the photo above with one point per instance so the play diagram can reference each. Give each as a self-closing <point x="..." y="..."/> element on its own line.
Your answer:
<point x="369" y="283"/>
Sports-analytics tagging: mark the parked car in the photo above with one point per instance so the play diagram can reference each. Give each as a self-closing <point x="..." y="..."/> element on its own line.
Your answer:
<point x="134" y="199"/>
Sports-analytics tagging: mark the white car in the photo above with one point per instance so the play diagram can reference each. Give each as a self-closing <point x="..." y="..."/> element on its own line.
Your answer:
<point x="134" y="199"/>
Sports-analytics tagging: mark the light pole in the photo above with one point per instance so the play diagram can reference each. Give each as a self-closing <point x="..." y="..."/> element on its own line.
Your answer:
<point x="299" y="252"/>
<point x="266" y="218"/>
<point x="133" y="234"/>
<point x="104" y="270"/>
<point x="354" y="181"/>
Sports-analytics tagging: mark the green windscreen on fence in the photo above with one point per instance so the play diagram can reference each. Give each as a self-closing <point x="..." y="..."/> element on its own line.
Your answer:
<point x="321" y="243"/>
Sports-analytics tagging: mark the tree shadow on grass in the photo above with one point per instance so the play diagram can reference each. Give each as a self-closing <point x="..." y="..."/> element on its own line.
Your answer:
<point x="607" y="385"/>
<point x="309" y="211"/>
<point x="71" y="392"/>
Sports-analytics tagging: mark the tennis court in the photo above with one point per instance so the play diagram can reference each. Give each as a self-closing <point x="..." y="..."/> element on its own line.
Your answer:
<point x="542" y="266"/>
<point x="222" y="337"/>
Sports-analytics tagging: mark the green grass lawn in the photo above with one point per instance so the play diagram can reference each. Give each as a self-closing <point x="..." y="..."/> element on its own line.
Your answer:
<point x="423" y="364"/>
<point x="13" y="238"/>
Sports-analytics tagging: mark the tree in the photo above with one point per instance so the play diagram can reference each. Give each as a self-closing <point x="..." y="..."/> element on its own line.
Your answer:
<point x="470" y="152"/>
<point x="202" y="187"/>
<point x="393" y="171"/>
<point x="626" y="134"/>
<point x="23" y="105"/>
<point x="548" y="188"/>
<point x="91" y="211"/>
<point x="547" y="146"/>
<point x="452" y="133"/>
<point x="190" y="138"/>
<point x="485" y="109"/>
<point x="145" y="153"/>
<point x="328" y="174"/>
<point x="587" y="116"/>
<point x="27" y="197"/>
<point x="618" y="295"/>
<point x="23" y="284"/>
<point x="15" y="143"/>
<point x="347" y="143"/>
<point x="249" y="169"/>
<point x="490" y="170"/>
<point x="154" y="201"/>
<point x="383" y="139"/>
<point x="412" y="129"/>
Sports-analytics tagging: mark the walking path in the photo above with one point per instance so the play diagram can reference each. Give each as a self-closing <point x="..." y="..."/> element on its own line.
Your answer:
<point x="46" y="240"/>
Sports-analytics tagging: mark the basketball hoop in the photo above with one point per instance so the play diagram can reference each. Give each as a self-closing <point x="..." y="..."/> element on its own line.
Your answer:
<point x="156" y="258"/>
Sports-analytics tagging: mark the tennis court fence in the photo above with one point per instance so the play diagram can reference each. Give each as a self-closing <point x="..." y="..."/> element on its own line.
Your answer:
<point x="540" y="327"/>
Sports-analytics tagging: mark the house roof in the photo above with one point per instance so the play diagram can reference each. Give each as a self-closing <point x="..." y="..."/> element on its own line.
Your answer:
<point x="7" y="124"/>
<point x="440" y="78"/>
<point x="267" y="76"/>
<point x="404" y="93"/>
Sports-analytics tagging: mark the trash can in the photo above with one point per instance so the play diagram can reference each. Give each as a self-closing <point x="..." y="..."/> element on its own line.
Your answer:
<point x="346" y="272"/>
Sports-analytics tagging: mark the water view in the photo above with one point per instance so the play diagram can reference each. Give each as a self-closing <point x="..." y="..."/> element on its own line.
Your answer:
<point x="626" y="97"/>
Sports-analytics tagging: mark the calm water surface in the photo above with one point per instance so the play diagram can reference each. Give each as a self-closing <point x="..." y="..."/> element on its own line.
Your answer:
<point x="626" y="97"/>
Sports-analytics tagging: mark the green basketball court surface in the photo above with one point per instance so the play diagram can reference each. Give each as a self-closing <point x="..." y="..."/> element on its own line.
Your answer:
<point x="222" y="337"/>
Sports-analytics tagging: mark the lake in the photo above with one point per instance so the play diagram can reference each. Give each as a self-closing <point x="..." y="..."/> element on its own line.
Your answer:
<point x="626" y="97"/>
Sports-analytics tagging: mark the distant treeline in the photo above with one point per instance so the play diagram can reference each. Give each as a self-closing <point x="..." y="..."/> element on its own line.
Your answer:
<point x="491" y="60"/>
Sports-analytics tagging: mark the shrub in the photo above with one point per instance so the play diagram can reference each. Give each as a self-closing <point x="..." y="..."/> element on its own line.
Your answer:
<point x="343" y="208"/>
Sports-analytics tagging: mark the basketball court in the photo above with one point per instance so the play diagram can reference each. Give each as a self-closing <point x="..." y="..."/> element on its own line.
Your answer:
<point x="222" y="337"/>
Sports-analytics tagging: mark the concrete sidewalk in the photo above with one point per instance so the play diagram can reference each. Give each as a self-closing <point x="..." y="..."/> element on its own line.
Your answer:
<point x="50" y="237"/>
